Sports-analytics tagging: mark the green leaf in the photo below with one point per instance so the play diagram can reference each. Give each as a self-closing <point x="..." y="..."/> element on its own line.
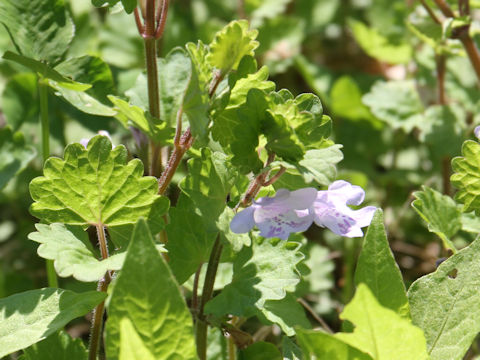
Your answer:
<point x="81" y="100"/>
<point x="147" y="294"/>
<point x="90" y="70"/>
<point x="445" y="304"/>
<point x="466" y="177"/>
<point x="132" y="115"/>
<point x="322" y="346"/>
<point x="174" y="74"/>
<point x="286" y="313"/>
<point x="265" y="271"/>
<point x="395" y="102"/>
<point x="93" y="186"/>
<point x="208" y="184"/>
<point x="31" y="316"/>
<point x="265" y="9"/>
<point x="347" y="101"/>
<point x="129" y="5"/>
<point x="260" y="351"/>
<point x="14" y="155"/>
<point x="375" y="44"/>
<point x="39" y="29"/>
<point x="58" y="346"/>
<point x="45" y="71"/>
<point x="440" y="212"/>
<point x="290" y="350"/>
<point x="442" y="129"/>
<point x="20" y="100"/>
<point x="189" y="243"/>
<point x="196" y="102"/>
<point x="132" y="346"/>
<point x="231" y="44"/>
<point x="376" y="268"/>
<point x="71" y="254"/>
<point x="379" y="331"/>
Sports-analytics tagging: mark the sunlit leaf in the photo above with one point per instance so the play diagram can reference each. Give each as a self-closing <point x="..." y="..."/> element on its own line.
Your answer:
<point x="231" y="44"/>
<point x="147" y="295"/>
<point x="445" y="304"/>
<point x="379" y="331"/>
<point x="440" y="212"/>
<point x="377" y="269"/>
<point x="466" y="177"/>
<point x="93" y="186"/>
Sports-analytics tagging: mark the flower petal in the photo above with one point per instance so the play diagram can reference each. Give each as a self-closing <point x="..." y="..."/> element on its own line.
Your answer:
<point x="302" y="198"/>
<point x="336" y="221"/>
<point x="282" y="224"/>
<point x="351" y="194"/>
<point x="243" y="221"/>
<point x="364" y="216"/>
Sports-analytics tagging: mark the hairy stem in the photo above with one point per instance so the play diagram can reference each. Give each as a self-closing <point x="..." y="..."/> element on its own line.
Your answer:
<point x="97" y="320"/>
<point x="201" y="324"/>
<point x="45" y="125"/>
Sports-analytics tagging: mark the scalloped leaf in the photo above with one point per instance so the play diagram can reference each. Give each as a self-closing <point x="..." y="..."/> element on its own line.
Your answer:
<point x="231" y="44"/>
<point x="466" y="177"/>
<point x="265" y="271"/>
<point x="71" y="255"/>
<point x="440" y="212"/>
<point x="93" y="186"/>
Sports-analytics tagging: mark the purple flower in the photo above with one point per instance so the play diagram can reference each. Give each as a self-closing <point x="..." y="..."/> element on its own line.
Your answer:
<point x="477" y="132"/>
<point x="295" y="211"/>
<point x="277" y="216"/>
<point x="331" y="209"/>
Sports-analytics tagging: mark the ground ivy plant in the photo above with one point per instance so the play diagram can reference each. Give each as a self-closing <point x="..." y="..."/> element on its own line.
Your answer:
<point x="195" y="216"/>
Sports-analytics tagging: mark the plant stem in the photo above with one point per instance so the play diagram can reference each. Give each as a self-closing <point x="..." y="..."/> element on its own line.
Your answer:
<point x="463" y="35"/>
<point x="97" y="320"/>
<point x="441" y="62"/>
<point x="201" y="324"/>
<point x="45" y="129"/>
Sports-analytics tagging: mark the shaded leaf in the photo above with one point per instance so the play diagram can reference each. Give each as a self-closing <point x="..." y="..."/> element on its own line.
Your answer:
<point x="265" y="271"/>
<point x="395" y="102"/>
<point x="29" y="317"/>
<point x="260" y="351"/>
<point x="20" y="100"/>
<point x="58" y="346"/>
<point x="322" y="346"/>
<point x="14" y="155"/>
<point x="39" y="29"/>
